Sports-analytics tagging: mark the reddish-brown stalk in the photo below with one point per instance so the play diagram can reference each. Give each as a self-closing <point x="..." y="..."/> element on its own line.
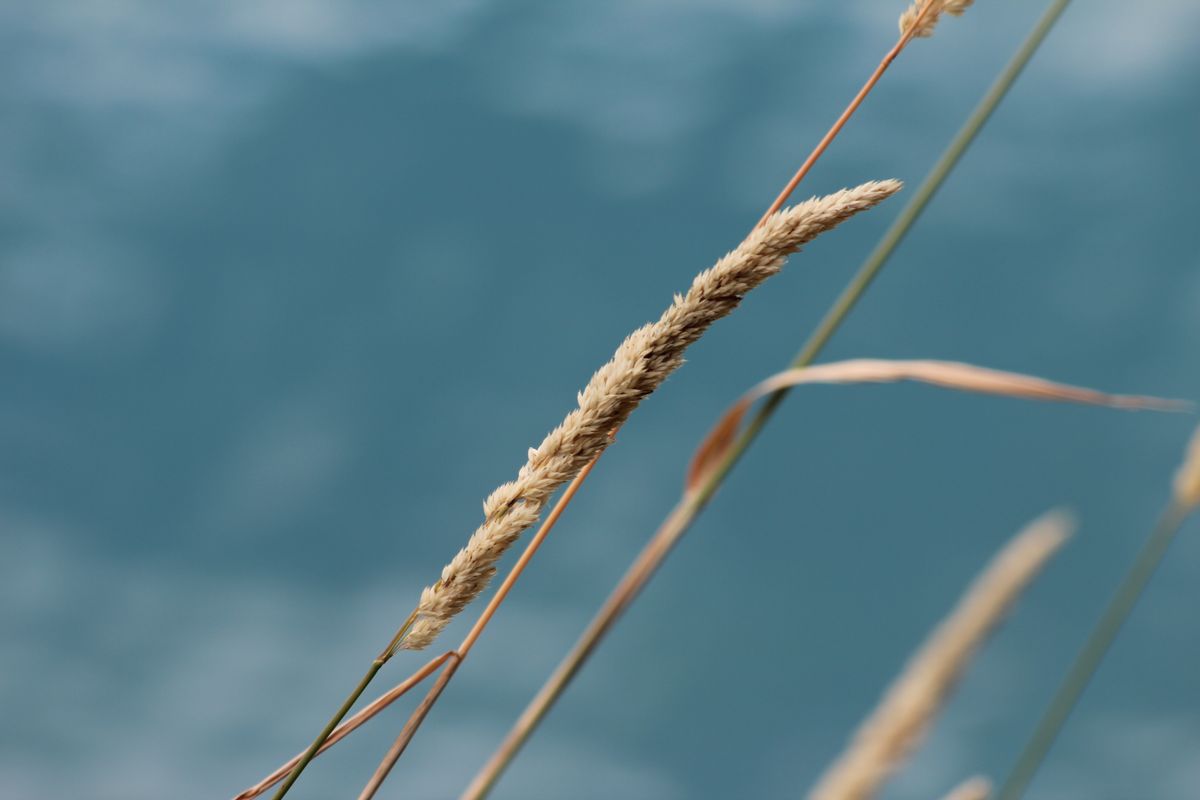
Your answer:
<point x="418" y="716"/>
<point x="350" y="725"/>
<point x="832" y="133"/>
<point x="435" y="691"/>
<point x="455" y="657"/>
<point x="386" y="699"/>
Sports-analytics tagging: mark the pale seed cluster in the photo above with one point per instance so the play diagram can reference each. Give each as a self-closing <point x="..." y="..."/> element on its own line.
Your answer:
<point x="924" y="28"/>
<point x="640" y="365"/>
<point x="1187" y="479"/>
<point x="907" y="709"/>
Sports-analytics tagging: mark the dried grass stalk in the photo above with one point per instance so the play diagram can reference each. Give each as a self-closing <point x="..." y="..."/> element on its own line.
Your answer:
<point x="927" y="22"/>
<point x="977" y="788"/>
<point x="640" y="365"/>
<point x="909" y="706"/>
<point x="947" y="374"/>
<point x="1187" y="479"/>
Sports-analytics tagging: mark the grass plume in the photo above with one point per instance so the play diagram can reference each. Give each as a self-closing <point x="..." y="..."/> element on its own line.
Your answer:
<point x="639" y="366"/>
<point x="921" y="18"/>
<point x="908" y="708"/>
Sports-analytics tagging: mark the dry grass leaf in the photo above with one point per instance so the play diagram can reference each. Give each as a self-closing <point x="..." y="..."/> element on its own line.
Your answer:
<point x="947" y="374"/>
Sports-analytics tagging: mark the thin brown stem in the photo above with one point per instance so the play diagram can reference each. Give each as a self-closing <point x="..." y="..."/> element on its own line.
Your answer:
<point x="349" y="726"/>
<point x="318" y="743"/>
<point x="636" y="581"/>
<point x="418" y="716"/>
<point x="308" y="755"/>
<point x="526" y="557"/>
<point x="635" y="578"/>
<point x="693" y="502"/>
<point x="832" y="133"/>
<point x="383" y="701"/>
<point x="410" y="729"/>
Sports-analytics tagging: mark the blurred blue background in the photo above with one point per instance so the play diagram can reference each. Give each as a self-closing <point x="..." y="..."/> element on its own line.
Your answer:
<point x="286" y="288"/>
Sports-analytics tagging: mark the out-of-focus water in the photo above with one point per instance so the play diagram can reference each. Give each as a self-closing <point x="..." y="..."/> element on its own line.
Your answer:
<point x="286" y="289"/>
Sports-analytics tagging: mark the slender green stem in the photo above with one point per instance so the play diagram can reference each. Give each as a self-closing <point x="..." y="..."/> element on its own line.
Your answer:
<point x="681" y="518"/>
<point x="1094" y="649"/>
<point x="410" y="728"/>
<point x="311" y="752"/>
<point x="341" y="713"/>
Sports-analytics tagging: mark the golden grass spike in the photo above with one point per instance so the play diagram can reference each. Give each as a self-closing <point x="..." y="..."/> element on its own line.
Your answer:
<point x="923" y="15"/>
<point x="1187" y="479"/>
<point x="640" y="365"/>
<point x="947" y="374"/>
<point x="976" y="788"/>
<point x="909" y="706"/>
<point x="956" y="7"/>
<point x="921" y="25"/>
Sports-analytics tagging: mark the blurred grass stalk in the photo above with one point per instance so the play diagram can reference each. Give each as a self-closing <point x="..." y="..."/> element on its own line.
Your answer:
<point x="890" y="735"/>
<point x="1184" y="501"/>
<point x="693" y="502"/>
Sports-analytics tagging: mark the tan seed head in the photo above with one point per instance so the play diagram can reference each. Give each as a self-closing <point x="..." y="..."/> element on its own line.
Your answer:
<point x="924" y="23"/>
<point x="639" y="366"/>
<point x="1187" y="479"/>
